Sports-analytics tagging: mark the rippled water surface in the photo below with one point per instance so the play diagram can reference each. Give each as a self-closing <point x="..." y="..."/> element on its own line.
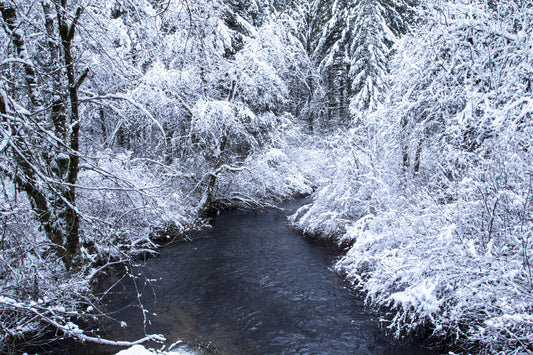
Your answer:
<point x="250" y="286"/>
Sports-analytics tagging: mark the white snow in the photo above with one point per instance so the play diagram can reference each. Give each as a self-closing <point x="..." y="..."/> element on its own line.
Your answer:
<point x="141" y="350"/>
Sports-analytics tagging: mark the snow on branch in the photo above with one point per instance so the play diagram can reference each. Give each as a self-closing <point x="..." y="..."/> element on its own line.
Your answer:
<point x="94" y="97"/>
<point x="58" y="318"/>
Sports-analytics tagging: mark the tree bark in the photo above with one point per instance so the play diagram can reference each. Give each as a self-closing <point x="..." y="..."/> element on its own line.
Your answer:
<point x="209" y="199"/>
<point x="66" y="32"/>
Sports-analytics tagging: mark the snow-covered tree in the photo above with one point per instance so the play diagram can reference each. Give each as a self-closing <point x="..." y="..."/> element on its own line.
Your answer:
<point x="220" y="132"/>
<point x="368" y="54"/>
<point x="41" y="117"/>
<point x="352" y="52"/>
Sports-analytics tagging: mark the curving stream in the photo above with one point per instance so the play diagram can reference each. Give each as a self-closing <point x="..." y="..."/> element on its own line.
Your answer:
<point x="250" y="286"/>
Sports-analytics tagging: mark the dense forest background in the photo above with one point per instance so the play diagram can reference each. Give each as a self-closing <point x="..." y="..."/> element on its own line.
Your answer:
<point x="410" y="122"/>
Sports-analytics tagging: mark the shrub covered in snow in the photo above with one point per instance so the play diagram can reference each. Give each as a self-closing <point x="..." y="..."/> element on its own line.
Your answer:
<point x="348" y="194"/>
<point x="124" y="199"/>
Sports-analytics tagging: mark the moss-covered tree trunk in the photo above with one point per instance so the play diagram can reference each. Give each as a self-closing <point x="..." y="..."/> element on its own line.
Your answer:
<point x="47" y="169"/>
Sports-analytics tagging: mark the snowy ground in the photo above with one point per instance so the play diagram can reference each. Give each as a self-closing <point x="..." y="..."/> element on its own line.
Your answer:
<point x="141" y="350"/>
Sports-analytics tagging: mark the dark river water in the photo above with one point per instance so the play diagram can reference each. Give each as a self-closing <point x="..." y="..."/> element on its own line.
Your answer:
<point x="248" y="286"/>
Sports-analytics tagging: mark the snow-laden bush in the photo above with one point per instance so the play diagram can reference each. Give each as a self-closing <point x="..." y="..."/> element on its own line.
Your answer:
<point x="125" y="199"/>
<point x="121" y="202"/>
<point x="461" y="268"/>
<point x="417" y="261"/>
<point x="290" y="165"/>
<point x="348" y="194"/>
<point x="264" y="178"/>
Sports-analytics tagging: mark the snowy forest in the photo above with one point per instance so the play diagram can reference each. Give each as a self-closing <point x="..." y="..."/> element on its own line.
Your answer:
<point x="409" y="123"/>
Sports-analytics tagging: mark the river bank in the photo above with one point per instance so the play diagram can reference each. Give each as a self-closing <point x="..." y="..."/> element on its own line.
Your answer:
<point x="436" y="262"/>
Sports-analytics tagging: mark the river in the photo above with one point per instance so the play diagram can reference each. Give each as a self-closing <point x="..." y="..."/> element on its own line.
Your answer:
<point x="250" y="285"/>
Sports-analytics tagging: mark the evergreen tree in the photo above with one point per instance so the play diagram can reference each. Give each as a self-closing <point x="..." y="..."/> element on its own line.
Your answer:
<point x="367" y="53"/>
<point x="323" y="32"/>
<point x="352" y="52"/>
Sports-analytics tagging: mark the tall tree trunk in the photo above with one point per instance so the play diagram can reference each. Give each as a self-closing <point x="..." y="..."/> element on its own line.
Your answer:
<point x="72" y="219"/>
